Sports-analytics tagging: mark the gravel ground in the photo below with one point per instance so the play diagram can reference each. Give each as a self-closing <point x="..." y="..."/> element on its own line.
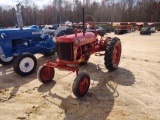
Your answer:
<point x="129" y="93"/>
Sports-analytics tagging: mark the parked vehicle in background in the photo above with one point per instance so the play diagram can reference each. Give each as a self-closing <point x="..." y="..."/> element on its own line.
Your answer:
<point x="122" y="29"/>
<point x="61" y="31"/>
<point x="56" y="26"/>
<point x="158" y="29"/>
<point x="153" y="29"/>
<point x="68" y="23"/>
<point x="145" y="31"/>
<point x="48" y="29"/>
<point x="100" y="30"/>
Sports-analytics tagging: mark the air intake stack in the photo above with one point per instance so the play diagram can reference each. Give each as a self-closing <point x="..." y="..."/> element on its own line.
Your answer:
<point x="19" y="16"/>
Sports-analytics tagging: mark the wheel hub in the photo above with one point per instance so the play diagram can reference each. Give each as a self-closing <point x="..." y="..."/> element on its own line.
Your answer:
<point x="83" y="85"/>
<point x="47" y="73"/>
<point x="116" y="54"/>
<point x="26" y="64"/>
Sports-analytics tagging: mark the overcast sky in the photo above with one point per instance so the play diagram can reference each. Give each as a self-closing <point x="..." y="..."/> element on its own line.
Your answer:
<point x="37" y="2"/>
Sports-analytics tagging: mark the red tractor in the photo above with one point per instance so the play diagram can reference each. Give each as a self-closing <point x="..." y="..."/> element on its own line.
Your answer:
<point x="77" y="48"/>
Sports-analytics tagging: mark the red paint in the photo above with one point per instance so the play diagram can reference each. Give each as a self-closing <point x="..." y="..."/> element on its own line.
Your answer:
<point x="83" y="85"/>
<point x="116" y="54"/>
<point x="47" y="73"/>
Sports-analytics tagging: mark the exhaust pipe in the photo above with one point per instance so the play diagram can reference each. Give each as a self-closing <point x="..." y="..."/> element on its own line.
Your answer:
<point x="19" y="16"/>
<point x="83" y="22"/>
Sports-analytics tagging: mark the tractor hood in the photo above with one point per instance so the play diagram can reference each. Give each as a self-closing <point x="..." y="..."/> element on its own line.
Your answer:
<point x="18" y="33"/>
<point x="80" y="39"/>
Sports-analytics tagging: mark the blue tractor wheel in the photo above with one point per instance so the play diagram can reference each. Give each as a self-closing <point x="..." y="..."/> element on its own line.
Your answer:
<point x="25" y="64"/>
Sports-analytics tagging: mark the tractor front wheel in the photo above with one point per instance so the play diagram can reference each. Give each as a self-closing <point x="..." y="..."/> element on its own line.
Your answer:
<point x="112" y="54"/>
<point x="25" y="64"/>
<point x="6" y="60"/>
<point x="45" y="74"/>
<point x="81" y="85"/>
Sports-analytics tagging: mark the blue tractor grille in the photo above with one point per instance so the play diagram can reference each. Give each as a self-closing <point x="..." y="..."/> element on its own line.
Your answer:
<point x="65" y="51"/>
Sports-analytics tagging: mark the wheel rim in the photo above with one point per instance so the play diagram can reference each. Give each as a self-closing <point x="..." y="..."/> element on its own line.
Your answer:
<point x="47" y="73"/>
<point x="6" y="59"/>
<point x="83" y="85"/>
<point x="116" y="54"/>
<point x="26" y="64"/>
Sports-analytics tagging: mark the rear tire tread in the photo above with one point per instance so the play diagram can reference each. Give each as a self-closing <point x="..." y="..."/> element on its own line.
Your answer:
<point x="109" y="53"/>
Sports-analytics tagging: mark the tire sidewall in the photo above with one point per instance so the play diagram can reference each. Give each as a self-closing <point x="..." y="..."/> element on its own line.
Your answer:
<point x="17" y="61"/>
<point x="6" y="63"/>
<point x="75" y="87"/>
<point x="109" y="54"/>
<point x="39" y="74"/>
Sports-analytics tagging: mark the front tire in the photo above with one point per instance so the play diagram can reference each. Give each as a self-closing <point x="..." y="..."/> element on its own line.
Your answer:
<point x="6" y="60"/>
<point x="112" y="54"/>
<point x="81" y="85"/>
<point x="45" y="74"/>
<point x="25" y="64"/>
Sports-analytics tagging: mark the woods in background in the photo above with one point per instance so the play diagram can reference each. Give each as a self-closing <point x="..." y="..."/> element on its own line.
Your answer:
<point x="61" y="10"/>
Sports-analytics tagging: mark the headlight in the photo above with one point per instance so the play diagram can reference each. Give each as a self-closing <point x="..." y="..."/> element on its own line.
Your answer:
<point x="3" y="35"/>
<point x="54" y="39"/>
<point x="25" y="43"/>
<point x="76" y="41"/>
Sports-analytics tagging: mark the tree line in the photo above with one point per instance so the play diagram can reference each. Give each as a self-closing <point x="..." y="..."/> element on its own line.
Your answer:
<point x="62" y="10"/>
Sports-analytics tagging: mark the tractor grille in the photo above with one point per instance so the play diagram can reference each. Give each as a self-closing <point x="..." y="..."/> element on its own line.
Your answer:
<point x="65" y="50"/>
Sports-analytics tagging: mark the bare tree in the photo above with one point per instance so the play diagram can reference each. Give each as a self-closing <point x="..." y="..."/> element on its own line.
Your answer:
<point x="62" y="10"/>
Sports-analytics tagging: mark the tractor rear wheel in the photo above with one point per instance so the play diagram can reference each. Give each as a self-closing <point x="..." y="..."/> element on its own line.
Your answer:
<point x="112" y="54"/>
<point x="81" y="85"/>
<point x="25" y="64"/>
<point x="6" y="60"/>
<point x="45" y="74"/>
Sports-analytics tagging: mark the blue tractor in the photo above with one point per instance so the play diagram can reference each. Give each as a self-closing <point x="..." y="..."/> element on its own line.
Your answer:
<point x="18" y="45"/>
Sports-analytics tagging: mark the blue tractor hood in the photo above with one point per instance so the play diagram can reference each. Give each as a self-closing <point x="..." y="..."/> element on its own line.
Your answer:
<point x="18" y="33"/>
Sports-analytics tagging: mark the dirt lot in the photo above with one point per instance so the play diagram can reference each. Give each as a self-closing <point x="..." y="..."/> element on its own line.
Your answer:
<point x="132" y="92"/>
